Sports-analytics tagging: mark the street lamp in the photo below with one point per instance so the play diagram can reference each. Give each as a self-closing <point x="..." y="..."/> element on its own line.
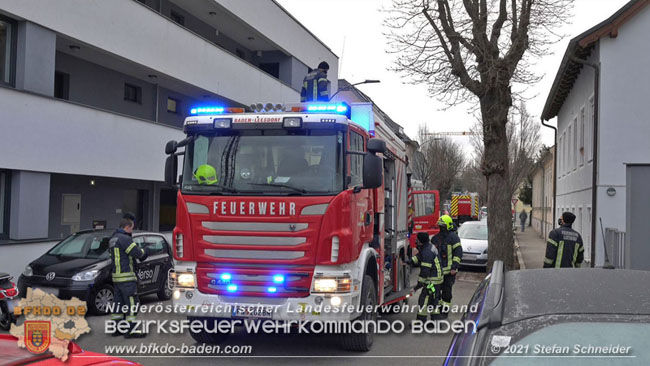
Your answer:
<point x="355" y="84"/>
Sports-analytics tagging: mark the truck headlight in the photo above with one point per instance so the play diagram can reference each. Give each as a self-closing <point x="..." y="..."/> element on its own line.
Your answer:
<point x="85" y="275"/>
<point x="28" y="272"/>
<point x="185" y="280"/>
<point x="332" y="284"/>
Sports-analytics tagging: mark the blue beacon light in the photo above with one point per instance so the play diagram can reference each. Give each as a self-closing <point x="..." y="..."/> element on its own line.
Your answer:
<point x="206" y="110"/>
<point x="231" y="288"/>
<point x="278" y="278"/>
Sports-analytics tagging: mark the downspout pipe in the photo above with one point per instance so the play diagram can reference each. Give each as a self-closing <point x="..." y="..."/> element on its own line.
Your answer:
<point x="594" y="178"/>
<point x="554" y="170"/>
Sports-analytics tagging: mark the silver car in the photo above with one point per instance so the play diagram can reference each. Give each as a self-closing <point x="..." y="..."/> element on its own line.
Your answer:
<point x="474" y="240"/>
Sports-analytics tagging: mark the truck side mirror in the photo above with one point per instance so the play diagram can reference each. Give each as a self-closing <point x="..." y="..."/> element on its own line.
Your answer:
<point x="171" y="170"/>
<point x="376" y="146"/>
<point x="372" y="171"/>
<point x="171" y="147"/>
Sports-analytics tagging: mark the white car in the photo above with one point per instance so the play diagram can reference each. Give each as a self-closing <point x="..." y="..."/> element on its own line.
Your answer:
<point x="474" y="240"/>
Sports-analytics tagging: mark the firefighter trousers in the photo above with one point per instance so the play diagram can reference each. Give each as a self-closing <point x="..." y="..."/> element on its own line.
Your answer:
<point x="428" y="302"/>
<point x="126" y="302"/>
<point x="446" y="296"/>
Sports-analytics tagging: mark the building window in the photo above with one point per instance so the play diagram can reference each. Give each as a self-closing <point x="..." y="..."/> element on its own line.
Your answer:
<point x="176" y="17"/>
<point x="172" y="105"/>
<point x="7" y="47"/>
<point x="61" y="85"/>
<point x="356" y="161"/>
<point x="574" y="144"/>
<point x="590" y="136"/>
<point x="581" y="139"/>
<point x="132" y="93"/>
<point x="4" y="203"/>
<point x="271" y="68"/>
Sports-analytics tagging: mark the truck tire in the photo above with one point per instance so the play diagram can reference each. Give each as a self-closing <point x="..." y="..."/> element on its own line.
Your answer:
<point x="206" y="337"/>
<point x="361" y="342"/>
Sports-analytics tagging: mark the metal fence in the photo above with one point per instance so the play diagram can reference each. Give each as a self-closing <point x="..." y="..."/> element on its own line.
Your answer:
<point x="615" y="247"/>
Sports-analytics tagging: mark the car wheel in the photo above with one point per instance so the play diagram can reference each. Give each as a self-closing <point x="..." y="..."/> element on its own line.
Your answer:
<point x="205" y="337"/>
<point x="98" y="302"/>
<point x="362" y="342"/>
<point x="165" y="292"/>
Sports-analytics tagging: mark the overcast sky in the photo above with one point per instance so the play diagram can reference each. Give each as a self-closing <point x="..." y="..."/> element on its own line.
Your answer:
<point x="353" y="30"/>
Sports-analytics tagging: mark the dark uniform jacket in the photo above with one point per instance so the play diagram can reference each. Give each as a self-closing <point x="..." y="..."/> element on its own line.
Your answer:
<point x="429" y="262"/>
<point x="451" y="252"/>
<point x="315" y="87"/>
<point x="564" y="248"/>
<point x="123" y="252"/>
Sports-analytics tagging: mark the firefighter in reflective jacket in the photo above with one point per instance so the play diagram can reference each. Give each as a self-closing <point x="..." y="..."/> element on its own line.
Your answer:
<point x="123" y="253"/>
<point x="451" y="252"/>
<point x="564" y="247"/>
<point x="430" y="277"/>
<point x="315" y="86"/>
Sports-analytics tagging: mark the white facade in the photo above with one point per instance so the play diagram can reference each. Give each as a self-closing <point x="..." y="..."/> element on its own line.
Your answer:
<point x="98" y="87"/>
<point x="624" y="127"/>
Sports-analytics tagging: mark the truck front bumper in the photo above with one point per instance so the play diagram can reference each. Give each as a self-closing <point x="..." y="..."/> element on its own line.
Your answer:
<point x="313" y="307"/>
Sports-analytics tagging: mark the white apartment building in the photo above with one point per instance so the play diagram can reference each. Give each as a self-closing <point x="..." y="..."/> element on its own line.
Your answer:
<point x="602" y="131"/>
<point x="91" y="90"/>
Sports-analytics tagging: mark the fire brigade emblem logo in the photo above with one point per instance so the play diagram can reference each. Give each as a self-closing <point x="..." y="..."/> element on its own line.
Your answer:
<point x="37" y="336"/>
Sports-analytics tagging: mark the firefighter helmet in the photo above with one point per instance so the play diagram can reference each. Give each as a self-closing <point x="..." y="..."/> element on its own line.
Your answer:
<point x="206" y="174"/>
<point x="446" y="221"/>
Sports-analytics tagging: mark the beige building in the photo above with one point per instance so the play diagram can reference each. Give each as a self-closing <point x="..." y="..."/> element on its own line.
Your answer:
<point x="542" y="178"/>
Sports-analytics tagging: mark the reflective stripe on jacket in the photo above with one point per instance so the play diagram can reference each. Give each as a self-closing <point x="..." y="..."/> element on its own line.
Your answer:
<point x="451" y="251"/>
<point x="123" y="250"/>
<point x="315" y="87"/>
<point x="429" y="262"/>
<point x="564" y="248"/>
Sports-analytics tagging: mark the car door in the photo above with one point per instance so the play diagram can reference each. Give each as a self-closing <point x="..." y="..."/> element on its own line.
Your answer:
<point x="141" y="268"/>
<point x="156" y="262"/>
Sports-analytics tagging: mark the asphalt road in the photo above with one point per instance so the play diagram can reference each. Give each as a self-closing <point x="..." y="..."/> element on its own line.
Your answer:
<point x="388" y="349"/>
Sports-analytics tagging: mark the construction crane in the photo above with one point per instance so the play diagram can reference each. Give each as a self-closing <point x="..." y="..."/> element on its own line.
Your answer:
<point x="437" y="135"/>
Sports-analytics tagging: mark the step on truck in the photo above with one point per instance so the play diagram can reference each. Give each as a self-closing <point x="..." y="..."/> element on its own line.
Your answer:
<point x="291" y="208"/>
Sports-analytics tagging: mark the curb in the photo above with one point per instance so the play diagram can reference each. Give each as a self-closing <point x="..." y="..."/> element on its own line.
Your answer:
<point x="520" y="258"/>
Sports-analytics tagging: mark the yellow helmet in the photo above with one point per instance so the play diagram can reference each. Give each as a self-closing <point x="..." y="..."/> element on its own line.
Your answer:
<point x="206" y="174"/>
<point x="446" y="221"/>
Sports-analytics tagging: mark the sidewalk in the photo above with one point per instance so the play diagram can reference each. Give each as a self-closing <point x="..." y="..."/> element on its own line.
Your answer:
<point x="532" y="247"/>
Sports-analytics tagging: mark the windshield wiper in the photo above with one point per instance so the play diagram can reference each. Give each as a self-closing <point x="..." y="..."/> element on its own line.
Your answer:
<point x="301" y="190"/>
<point x="225" y="188"/>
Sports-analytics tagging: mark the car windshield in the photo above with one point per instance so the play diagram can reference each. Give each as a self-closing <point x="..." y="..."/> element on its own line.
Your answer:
<point x="474" y="232"/>
<point x="577" y="343"/>
<point x="86" y="245"/>
<point x="266" y="161"/>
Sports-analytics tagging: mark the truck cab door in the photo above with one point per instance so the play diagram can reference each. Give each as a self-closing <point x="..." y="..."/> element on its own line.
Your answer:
<point x="427" y="212"/>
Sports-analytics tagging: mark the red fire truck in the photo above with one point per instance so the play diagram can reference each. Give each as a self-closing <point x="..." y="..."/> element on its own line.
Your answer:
<point x="424" y="207"/>
<point x="293" y="207"/>
<point x="464" y="207"/>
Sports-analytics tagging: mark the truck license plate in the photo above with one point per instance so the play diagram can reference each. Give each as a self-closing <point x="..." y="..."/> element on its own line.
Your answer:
<point x="248" y="311"/>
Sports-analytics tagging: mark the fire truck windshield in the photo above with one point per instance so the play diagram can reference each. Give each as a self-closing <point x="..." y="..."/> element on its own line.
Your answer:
<point x="265" y="161"/>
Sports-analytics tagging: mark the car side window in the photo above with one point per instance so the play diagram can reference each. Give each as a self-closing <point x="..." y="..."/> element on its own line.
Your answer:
<point x="139" y="240"/>
<point x="155" y="244"/>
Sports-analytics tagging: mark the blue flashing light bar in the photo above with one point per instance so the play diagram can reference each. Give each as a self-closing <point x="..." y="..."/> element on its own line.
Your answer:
<point x="337" y="108"/>
<point x="278" y="278"/>
<point x="226" y="276"/>
<point x="207" y="110"/>
<point x="231" y="288"/>
<point x="272" y="289"/>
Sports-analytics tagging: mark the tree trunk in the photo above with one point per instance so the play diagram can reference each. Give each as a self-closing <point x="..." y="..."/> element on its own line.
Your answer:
<point x="494" y="109"/>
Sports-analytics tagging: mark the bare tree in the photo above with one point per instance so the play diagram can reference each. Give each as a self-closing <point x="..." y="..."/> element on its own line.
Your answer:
<point x="475" y="50"/>
<point x="523" y="135"/>
<point x="421" y="164"/>
<point x="443" y="160"/>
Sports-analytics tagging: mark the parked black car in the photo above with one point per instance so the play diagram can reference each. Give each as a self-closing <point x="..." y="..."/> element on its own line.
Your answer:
<point x="523" y="317"/>
<point x="79" y="266"/>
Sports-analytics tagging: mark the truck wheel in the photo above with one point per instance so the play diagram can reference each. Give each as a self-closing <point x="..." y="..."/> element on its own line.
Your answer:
<point x="358" y="341"/>
<point x="99" y="299"/>
<point x="205" y="337"/>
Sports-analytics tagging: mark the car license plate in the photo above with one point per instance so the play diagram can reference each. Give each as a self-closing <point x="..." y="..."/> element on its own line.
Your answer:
<point x="469" y="257"/>
<point x="252" y="311"/>
<point x="48" y="290"/>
